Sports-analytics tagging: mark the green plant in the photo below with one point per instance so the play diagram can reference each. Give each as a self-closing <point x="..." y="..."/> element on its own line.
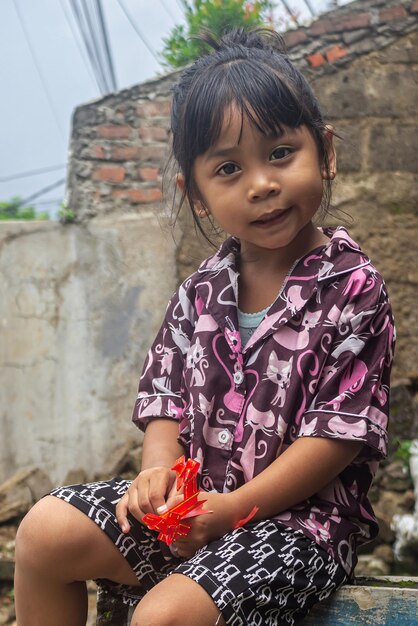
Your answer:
<point x="65" y="214"/>
<point x="403" y="452"/>
<point x="15" y="210"/>
<point x="217" y="16"/>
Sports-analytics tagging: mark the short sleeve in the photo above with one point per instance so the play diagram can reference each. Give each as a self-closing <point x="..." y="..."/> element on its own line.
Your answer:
<point x="159" y="391"/>
<point x="352" y="400"/>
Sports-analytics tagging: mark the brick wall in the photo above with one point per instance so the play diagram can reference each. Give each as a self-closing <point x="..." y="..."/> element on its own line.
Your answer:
<point x="351" y="31"/>
<point x="119" y="147"/>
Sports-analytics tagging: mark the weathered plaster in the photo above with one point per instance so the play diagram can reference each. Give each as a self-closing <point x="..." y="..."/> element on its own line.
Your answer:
<point x="78" y="305"/>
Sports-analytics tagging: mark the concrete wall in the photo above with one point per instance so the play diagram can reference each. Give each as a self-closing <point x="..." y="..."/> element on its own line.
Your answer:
<point x="78" y="305"/>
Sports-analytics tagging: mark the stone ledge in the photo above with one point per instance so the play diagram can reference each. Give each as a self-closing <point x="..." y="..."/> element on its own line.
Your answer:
<point x="389" y="600"/>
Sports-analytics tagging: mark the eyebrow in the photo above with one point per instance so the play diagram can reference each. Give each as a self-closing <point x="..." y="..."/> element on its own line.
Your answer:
<point x="221" y="152"/>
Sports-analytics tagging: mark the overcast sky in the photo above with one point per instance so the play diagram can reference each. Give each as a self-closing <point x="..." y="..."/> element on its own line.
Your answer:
<point x="44" y="75"/>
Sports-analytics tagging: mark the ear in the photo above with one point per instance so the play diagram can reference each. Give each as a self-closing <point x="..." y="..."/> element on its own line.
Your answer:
<point x="180" y="181"/>
<point x="200" y="209"/>
<point x="198" y="206"/>
<point x="331" y="154"/>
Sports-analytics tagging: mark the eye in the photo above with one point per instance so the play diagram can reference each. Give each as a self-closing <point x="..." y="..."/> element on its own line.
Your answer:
<point x="280" y="153"/>
<point x="227" y="169"/>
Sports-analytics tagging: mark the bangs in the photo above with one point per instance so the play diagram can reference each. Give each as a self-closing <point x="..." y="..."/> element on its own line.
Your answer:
<point x="247" y="72"/>
<point x="258" y="92"/>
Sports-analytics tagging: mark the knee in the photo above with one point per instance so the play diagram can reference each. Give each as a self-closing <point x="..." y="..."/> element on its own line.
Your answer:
<point x="176" y="601"/>
<point x="147" y="614"/>
<point x="37" y="538"/>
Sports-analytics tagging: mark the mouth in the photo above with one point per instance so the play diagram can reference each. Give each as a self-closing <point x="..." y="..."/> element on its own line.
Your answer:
<point x="271" y="218"/>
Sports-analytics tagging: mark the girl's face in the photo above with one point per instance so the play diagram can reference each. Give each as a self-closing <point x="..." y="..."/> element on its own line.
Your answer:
<point x="263" y="189"/>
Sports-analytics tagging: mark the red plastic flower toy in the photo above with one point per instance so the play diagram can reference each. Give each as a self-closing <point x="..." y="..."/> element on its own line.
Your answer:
<point x="170" y="524"/>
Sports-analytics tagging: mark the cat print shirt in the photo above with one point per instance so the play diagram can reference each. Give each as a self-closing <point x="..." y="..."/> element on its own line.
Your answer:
<point x="318" y="365"/>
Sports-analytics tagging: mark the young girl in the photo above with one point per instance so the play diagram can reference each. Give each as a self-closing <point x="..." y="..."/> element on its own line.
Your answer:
<point x="271" y="369"/>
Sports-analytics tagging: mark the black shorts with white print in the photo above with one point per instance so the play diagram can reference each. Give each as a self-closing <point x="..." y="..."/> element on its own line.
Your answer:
<point x="259" y="575"/>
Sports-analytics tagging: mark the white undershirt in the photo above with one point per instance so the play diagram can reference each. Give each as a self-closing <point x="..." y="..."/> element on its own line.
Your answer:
<point x="249" y="322"/>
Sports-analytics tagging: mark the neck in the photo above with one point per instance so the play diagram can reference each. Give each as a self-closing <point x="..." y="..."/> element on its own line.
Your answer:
<point x="263" y="272"/>
<point x="282" y="259"/>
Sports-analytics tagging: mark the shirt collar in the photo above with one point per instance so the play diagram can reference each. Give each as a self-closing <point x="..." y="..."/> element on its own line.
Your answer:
<point x="218" y="284"/>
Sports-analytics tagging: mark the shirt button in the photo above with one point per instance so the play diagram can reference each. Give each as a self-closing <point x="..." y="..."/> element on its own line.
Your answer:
<point x="223" y="436"/>
<point x="238" y="377"/>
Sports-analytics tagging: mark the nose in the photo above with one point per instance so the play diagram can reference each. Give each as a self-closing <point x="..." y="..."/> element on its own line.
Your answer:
<point x="262" y="186"/>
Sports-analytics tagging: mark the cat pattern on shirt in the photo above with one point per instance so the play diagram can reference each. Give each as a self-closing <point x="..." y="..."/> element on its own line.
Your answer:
<point x="318" y="365"/>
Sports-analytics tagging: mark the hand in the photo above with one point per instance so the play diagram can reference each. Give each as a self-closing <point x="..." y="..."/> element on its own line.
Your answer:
<point x="210" y="526"/>
<point x="151" y="489"/>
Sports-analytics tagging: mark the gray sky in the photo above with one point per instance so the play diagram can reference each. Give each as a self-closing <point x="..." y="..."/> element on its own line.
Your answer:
<point x="44" y="75"/>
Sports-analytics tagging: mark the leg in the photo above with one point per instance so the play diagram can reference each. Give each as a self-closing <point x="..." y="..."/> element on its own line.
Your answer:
<point x="57" y="549"/>
<point x="263" y="573"/>
<point x="177" y="601"/>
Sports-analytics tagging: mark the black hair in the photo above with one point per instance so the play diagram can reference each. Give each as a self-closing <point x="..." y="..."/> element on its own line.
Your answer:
<point x="251" y="70"/>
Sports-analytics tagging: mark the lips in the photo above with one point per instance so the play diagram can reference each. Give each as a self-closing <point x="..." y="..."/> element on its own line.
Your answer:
<point x="273" y="217"/>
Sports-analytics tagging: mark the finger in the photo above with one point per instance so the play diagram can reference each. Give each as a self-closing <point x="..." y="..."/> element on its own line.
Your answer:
<point x="133" y="504"/>
<point x="172" y="501"/>
<point x="183" y="549"/>
<point x="174" y="491"/>
<point x="121" y="513"/>
<point x="174" y="550"/>
<point x="159" y="486"/>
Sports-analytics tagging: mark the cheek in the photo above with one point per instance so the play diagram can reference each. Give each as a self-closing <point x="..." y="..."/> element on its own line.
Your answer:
<point x="311" y="186"/>
<point x="318" y="190"/>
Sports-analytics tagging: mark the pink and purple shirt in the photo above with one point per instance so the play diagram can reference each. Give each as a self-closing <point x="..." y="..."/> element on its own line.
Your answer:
<point x="318" y="365"/>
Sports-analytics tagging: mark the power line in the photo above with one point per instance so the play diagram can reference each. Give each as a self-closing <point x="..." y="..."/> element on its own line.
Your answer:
<point x="106" y="43"/>
<point x="310" y="7"/>
<point x="138" y="32"/>
<point x="96" y="43"/>
<point x="38" y="68"/>
<point x="42" y="192"/>
<point x="96" y="35"/>
<point x="77" y="41"/>
<point x="43" y="170"/>
<point x="79" y="19"/>
<point x="91" y="20"/>
<point x="53" y="202"/>
<point x="90" y="40"/>
<point x="167" y="10"/>
<point x="290" y="12"/>
<point x="85" y="37"/>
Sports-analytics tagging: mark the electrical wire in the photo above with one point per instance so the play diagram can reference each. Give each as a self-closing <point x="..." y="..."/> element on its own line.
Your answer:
<point x="106" y="44"/>
<point x="290" y="12"/>
<point x="91" y="23"/>
<point x="47" y="202"/>
<point x="77" y="42"/>
<point x="310" y="7"/>
<point x="94" y="44"/>
<point x="42" y="192"/>
<point x="89" y="45"/>
<point x="38" y="68"/>
<point x="138" y="32"/>
<point x="96" y="35"/>
<point x="43" y="170"/>
<point x="167" y="10"/>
